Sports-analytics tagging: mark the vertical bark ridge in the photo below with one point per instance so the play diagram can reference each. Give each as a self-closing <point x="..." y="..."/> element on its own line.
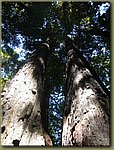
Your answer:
<point x="22" y="102"/>
<point x="86" y="113"/>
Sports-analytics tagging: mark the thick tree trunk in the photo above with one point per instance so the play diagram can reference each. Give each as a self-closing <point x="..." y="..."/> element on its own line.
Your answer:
<point x="86" y="114"/>
<point x="22" y="102"/>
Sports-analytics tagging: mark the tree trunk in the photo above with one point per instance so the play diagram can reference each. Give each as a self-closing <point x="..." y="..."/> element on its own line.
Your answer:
<point x="22" y="102"/>
<point x="86" y="114"/>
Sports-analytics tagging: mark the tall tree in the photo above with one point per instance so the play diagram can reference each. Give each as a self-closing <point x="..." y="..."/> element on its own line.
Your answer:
<point x="35" y="22"/>
<point x="23" y="101"/>
<point x="86" y="113"/>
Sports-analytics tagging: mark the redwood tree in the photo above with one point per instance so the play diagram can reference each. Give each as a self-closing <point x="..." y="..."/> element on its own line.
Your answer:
<point x="23" y="103"/>
<point x="86" y="114"/>
<point x="29" y="23"/>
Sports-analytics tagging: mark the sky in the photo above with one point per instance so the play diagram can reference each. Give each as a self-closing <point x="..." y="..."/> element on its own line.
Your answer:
<point x="104" y="7"/>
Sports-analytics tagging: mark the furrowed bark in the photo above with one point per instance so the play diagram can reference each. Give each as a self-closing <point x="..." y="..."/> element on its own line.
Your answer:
<point x="22" y="100"/>
<point x="86" y="114"/>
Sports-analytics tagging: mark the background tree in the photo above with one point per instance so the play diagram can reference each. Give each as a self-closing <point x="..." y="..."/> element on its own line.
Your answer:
<point x="83" y="22"/>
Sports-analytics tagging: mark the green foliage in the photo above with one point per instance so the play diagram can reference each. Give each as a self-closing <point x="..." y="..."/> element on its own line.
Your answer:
<point x="35" y="22"/>
<point x="3" y="82"/>
<point x="10" y="64"/>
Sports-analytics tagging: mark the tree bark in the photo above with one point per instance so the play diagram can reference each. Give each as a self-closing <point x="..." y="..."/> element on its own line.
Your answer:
<point x="86" y="114"/>
<point x="22" y="103"/>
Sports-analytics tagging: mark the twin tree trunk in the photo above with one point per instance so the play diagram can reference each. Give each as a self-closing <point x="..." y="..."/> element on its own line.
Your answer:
<point x="24" y="105"/>
<point x="23" y="101"/>
<point x="86" y="113"/>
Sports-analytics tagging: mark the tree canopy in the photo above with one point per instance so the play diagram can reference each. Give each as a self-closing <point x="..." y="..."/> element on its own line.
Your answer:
<point x="87" y="24"/>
